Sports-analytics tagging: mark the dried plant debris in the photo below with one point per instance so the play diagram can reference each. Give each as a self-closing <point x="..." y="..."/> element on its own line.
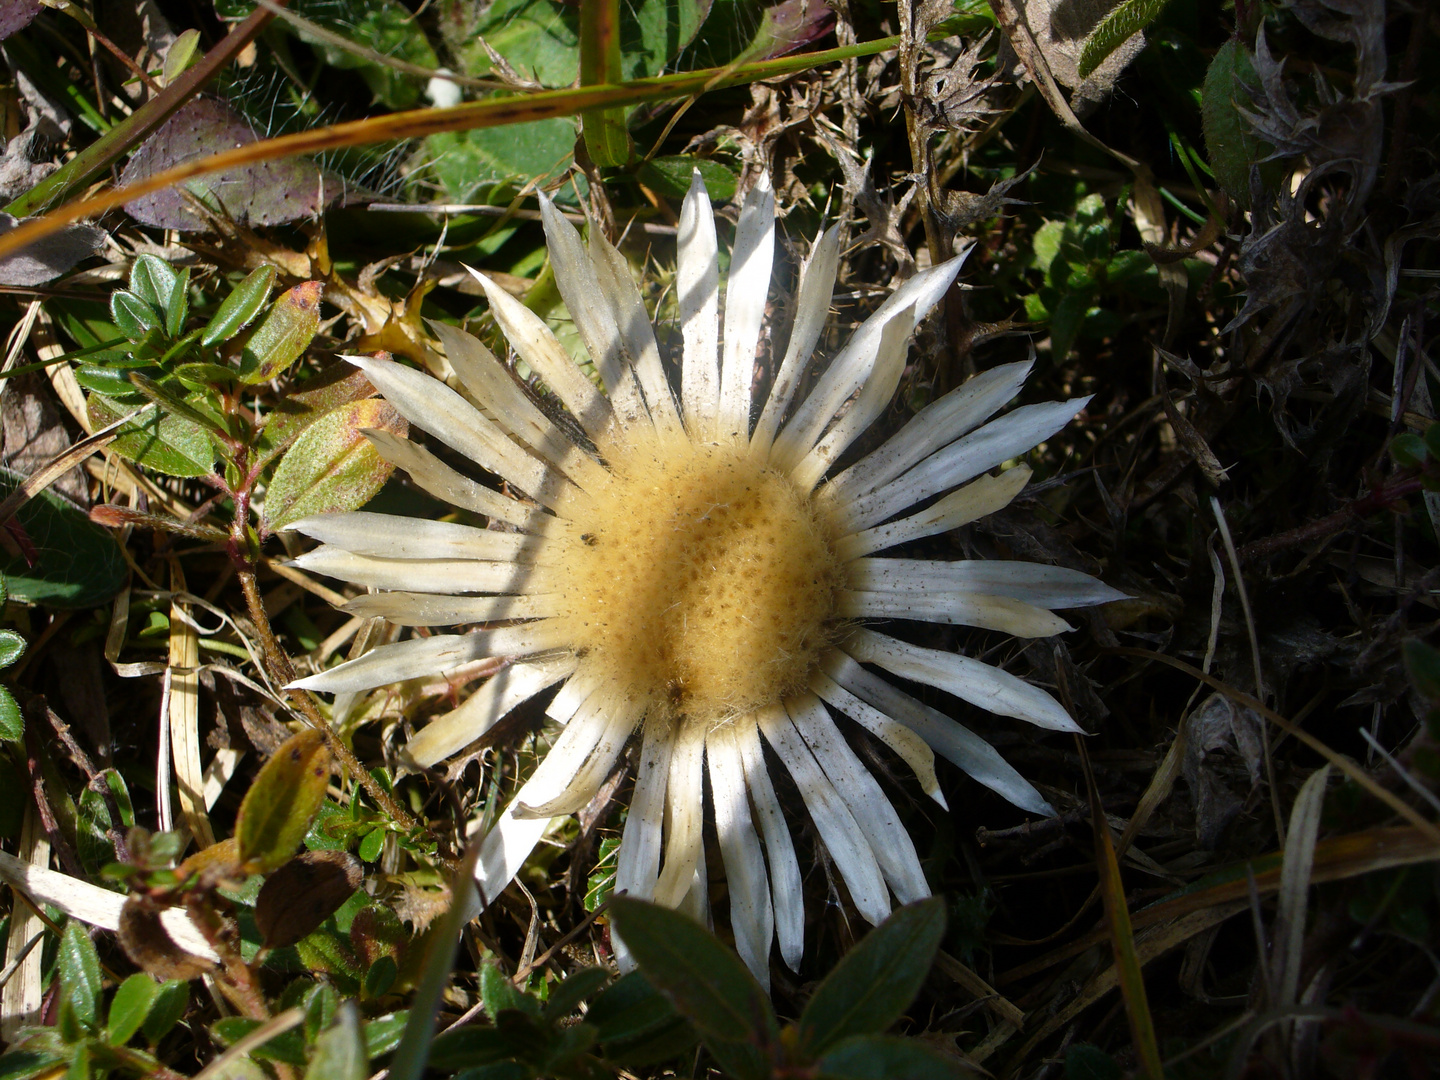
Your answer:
<point x="49" y="257"/>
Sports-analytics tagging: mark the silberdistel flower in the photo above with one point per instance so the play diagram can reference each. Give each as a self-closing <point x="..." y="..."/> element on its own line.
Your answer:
<point x="699" y="579"/>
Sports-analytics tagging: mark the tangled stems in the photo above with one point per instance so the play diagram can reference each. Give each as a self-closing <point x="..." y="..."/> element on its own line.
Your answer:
<point x="240" y="546"/>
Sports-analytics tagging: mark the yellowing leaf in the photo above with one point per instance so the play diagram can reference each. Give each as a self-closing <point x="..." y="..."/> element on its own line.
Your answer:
<point x="332" y="466"/>
<point x="282" y="801"/>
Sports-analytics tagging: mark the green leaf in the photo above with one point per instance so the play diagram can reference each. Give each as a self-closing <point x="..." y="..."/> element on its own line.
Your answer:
<point x="1086" y="1062"/>
<point x="337" y="385"/>
<point x="886" y="1057"/>
<point x="1118" y="27"/>
<point x="464" y="162"/>
<point x="170" y="1003"/>
<point x="27" y="1064"/>
<point x="1408" y="450"/>
<point x="183" y="51"/>
<point x="332" y="466"/>
<point x="177" y="309"/>
<point x="153" y="281"/>
<point x="601" y="882"/>
<point x="1432" y="441"/>
<point x="79" y="970"/>
<point x="133" y="315"/>
<point x="76" y="563"/>
<point x="285" y="797"/>
<point x="111" y="380"/>
<point x="570" y="993"/>
<point x="1230" y="142"/>
<point x="498" y="994"/>
<point x="81" y="1065"/>
<point x="92" y="841"/>
<point x="240" y="307"/>
<point x="372" y="845"/>
<point x="468" y="1047"/>
<point x="287" y="1047"/>
<point x="671" y="176"/>
<point x="383" y="1034"/>
<point x="155" y="438"/>
<point x="875" y="982"/>
<point x="12" y="647"/>
<point x="340" y="1052"/>
<point x="705" y="980"/>
<point x="12" y="721"/>
<point x="380" y="977"/>
<point x="131" y="1004"/>
<point x="384" y="27"/>
<point x="284" y="335"/>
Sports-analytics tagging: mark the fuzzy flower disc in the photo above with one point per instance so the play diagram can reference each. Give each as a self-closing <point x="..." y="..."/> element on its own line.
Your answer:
<point x="701" y="579"/>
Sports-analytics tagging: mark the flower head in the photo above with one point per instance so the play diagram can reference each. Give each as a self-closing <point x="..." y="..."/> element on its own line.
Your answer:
<point x="695" y="579"/>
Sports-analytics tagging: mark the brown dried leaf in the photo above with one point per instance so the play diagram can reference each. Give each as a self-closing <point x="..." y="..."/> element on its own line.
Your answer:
<point x="147" y="943"/>
<point x="303" y="893"/>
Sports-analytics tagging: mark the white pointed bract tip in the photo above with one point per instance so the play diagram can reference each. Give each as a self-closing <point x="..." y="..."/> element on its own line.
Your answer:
<point x="691" y="570"/>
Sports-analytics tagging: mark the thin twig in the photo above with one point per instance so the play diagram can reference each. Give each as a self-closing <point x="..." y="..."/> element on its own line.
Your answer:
<point x="280" y="669"/>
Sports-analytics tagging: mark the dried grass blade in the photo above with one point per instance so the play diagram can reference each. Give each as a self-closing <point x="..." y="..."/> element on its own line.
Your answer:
<point x="1295" y="887"/>
<point x="185" y="714"/>
<point x="1122" y="936"/>
<point x="24" y="993"/>
<point x="1345" y="765"/>
<point x="492" y="112"/>
<point x="1335" y="860"/>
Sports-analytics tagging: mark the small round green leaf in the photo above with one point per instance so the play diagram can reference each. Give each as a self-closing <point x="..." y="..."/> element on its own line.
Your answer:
<point x="12" y="722"/>
<point x="12" y="647"/>
<point x="133" y="315"/>
<point x="152" y="280"/>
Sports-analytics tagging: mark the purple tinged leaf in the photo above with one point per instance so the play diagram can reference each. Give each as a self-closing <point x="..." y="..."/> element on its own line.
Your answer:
<point x="791" y="25"/>
<point x="265" y="193"/>
<point x="15" y="15"/>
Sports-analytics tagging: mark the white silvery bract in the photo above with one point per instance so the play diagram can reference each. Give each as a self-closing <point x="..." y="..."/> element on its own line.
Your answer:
<point x="697" y="581"/>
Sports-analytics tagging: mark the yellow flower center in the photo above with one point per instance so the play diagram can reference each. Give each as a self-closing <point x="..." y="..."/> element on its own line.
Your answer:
<point x="702" y="580"/>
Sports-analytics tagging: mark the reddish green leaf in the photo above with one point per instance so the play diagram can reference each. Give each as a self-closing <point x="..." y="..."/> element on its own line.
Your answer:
<point x="337" y="385"/>
<point x="284" y="335"/>
<point x="332" y="466"/>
